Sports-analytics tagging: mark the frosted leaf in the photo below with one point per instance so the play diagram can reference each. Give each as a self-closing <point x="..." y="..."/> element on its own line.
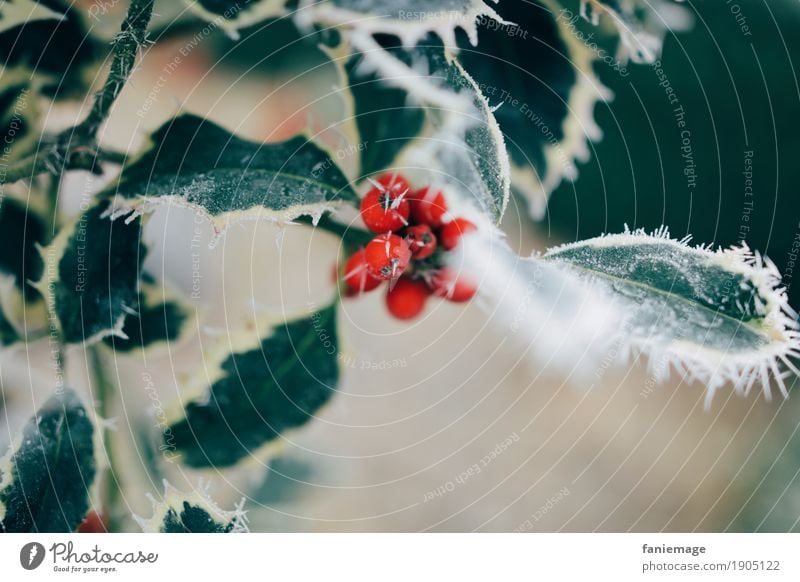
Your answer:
<point x="409" y="20"/>
<point x="194" y="163"/>
<point x="233" y="15"/>
<point x="538" y="78"/>
<point x="17" y="12"/>
<point x="195" y="512"/>
<point x="551" y="312"/>
<point x="641" y="24"/>
<point x="717" y="317"/>
<point x="263" y="384"/>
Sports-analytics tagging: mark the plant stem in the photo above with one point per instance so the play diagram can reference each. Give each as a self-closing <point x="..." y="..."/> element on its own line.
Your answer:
<point x="76" y="148"/>
<point x="103" y="389"/>
<point x="131" y="37"/>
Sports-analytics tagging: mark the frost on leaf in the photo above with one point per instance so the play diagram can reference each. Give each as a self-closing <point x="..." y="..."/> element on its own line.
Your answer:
<point x="233" y="15"/>
<point x="17" y="12"/>
<point x="22" y="311"/>
<point x="538" y="78"/>
<point x="19" y="112"/>
<point x="263" y="385"/>
<point x="58" y="50"/>
<point x="46" y="478"/>
<point x="641" y="24"/>
<point x="195" y="512"/>
<point x="386" y="117"/>
<point x="193" y="162"/>
<point x="715" y="317"/>
<point x="159" y="317"/>
<point x="409" y="20"/>
<point x="551" y="313"/>
<point x="460" y="147"/>
<point x="91" y="275"/>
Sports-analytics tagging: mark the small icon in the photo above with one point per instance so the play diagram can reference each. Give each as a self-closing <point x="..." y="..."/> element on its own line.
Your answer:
<point x="31" y="555"/>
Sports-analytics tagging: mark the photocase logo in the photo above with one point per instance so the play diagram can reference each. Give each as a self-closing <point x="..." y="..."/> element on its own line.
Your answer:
<point x="31" y="555"/>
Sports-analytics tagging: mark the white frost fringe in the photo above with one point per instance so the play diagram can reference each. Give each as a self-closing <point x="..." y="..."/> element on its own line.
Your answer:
<point x="173" y="499"/>
<point x="711" y="367"/>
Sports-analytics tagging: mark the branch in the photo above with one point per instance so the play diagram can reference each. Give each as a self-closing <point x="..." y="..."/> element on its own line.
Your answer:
<point x="76" y="148"/>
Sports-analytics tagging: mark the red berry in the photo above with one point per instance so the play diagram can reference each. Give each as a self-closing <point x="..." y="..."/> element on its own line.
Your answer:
<point x="453" y="231"/>
<point x="395" y="183"/>
<point x="428" y="207"/>
<point x="385" y="208"/>
<point x="357" y="276"/>
<point x="387" y="256"/>
<point x="92" y="523"/>
<point x="453" y="285"/>
<point x="421" y="241"/>
<point x="407" y="298"/>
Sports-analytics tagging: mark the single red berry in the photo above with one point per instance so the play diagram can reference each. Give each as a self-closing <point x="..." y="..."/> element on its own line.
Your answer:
<point x="92" y="523"/>
<point x="421" y="241"/>
<point x="406" y="300"/>
<point x="452" y="232"/>
<point x="357" y="276"/>
<point x="394" y="182"/>
<point x="387" y="256"/>
<point x="453" y="285"/>
<point x="428" y="207"/>
<point x="385" y="210"/>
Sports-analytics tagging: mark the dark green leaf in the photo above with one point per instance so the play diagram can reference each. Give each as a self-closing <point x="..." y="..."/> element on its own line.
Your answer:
<point x="718" y="316"/>
<point x="46" y="481"/>
<point x="196" y="163"/>
<point x="541" y="79"/>
<point x="159" y="318"/>
<point x="386" y="118"/>
<point x="59" y="51"/>
<point x="276" y="385"/>
<point x="193" y="513"/>
<point x="91" y="275"/>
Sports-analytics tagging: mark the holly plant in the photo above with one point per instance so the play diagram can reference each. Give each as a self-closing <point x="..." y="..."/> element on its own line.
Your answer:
<point x="448" y="107"/>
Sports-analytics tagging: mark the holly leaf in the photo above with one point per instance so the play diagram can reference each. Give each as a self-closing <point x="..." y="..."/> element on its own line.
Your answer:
<point x="538" y="78"/>
<point x="267" y="385"/>
<point x="91" y="275"/>
<point x="177" y="512"/>
<point x="22" y="310"/>
<point x="386" y="119"/>
<point x="18" y="12"/>
<point x="193" y="162"/>
<point x="159" y="318"/>
<point x="46" y="480"/>
<point x="233" y="15"/>
<point x="409" y="20"/>
<point x="59" y="51"/>
<point x="715" y="317"/>
<point x="641" y="24"/>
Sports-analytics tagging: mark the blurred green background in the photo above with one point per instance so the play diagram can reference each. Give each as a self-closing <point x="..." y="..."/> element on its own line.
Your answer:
<point x="740" y="93"/>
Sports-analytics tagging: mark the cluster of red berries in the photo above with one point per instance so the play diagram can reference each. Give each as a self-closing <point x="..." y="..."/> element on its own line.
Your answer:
<point x="416" y="229"/>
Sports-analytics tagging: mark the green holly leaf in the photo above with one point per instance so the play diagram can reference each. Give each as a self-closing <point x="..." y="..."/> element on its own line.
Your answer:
<point x="177" y="512"/>
<point x="158" y="318"/>
<point x="386" y="119"/>
<point x="538" y="78"/>
<point x="641" y="24"/>
<point x="58" y="50"/>
<point x="47" y="477"/>
<point x="715" y="317"/>
<point x="233" y="15"/>
<point x="22" y="310"/>
<point x="267" y="385"/>
<point x="409" y="20"/>
<point x="18" y="12"/>
<point x="91" y="275"/>
<point x="193" y="162"/>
